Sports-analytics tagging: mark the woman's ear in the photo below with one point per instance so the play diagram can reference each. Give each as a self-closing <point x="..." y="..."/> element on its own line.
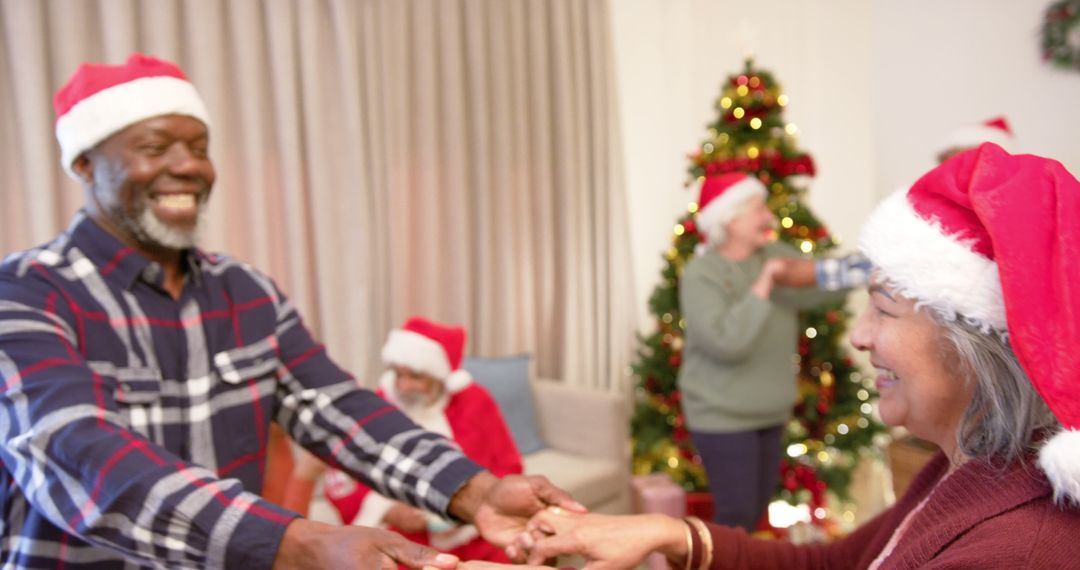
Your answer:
<point x="83" y="168"/>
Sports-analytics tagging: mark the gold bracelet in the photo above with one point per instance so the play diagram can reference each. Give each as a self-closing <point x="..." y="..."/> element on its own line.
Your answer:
<point x="706" y="542"/>
<point x="689" y="546"/>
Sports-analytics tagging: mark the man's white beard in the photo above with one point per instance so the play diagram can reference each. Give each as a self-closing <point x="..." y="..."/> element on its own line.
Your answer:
<point x="167" y="236"/>
<point x="414" y="406"/>
<point x="147" y="228"/>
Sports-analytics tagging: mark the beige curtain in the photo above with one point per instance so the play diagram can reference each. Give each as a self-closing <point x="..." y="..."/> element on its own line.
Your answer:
<point x="452" y="158"/>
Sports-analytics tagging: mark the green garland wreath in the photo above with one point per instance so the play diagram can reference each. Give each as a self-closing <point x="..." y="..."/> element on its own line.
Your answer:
<point x="1061" y="34"/>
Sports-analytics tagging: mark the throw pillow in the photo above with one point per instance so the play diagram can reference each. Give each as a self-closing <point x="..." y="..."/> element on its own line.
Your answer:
<point x="507" y="379"/>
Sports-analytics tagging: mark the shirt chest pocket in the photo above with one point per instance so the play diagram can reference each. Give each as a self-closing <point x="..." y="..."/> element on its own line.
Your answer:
<point x="255" y="361"/>
<point x="247" y="380"/>
<point x="138" y="397"/>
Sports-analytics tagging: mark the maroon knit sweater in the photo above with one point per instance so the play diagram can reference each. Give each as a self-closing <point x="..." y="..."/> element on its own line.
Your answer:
<point x="980" y="517"/>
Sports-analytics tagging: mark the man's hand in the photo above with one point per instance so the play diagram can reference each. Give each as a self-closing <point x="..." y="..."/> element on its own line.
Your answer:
<point x="794" y="272"/>
<point x="500" y="507"/>
<point x="309" y="544"/>
<point x="405" y="518"/>
<point x="763" y="285"/>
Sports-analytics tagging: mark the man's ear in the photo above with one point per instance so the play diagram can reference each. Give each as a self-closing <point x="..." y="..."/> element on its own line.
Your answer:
<point x="83" y="168"/>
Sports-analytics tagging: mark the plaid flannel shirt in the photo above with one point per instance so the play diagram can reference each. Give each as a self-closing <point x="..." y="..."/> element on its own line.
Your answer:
<point x="133" y="426"/>
<point x="834" y="274"/>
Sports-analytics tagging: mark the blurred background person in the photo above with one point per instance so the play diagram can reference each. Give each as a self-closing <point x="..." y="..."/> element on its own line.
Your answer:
<point x="741" y="331"/>
<point x="967" y="137"/>
<point x="424" y="379"/>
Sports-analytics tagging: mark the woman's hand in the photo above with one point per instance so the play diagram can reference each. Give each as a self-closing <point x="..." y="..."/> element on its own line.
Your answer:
<point x="606" y="542"/>
<point x="480" y="565"/>
<point x="406" y="518"/>
<point x="762" y="286"/>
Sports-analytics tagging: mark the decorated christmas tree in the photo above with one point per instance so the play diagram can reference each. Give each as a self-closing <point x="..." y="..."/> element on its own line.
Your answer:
<point x="832" y="420"/>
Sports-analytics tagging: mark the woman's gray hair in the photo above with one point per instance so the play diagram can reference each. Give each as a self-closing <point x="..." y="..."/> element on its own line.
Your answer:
<point x="1005" y="413"/>
<point x="717" y="234"/>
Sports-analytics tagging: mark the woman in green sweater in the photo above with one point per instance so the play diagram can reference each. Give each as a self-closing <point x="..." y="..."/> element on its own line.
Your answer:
<point x="737" y="380"/>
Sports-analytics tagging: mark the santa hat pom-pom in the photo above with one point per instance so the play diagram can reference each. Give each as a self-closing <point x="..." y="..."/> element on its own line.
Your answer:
<point x="458" y="380"/>
<point x="1060" y="460"/>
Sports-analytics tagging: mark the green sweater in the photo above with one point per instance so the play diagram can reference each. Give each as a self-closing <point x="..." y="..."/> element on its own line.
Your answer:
<point x="738" y="370"/>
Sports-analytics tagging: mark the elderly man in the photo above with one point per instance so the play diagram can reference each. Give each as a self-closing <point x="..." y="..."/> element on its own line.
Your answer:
<point x="425" y="380"/>
<point x="140" y="375"/>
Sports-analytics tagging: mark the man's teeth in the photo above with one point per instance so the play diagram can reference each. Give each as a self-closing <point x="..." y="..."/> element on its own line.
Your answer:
<point x="887" y="374"/>
<point x="176" y="201"/>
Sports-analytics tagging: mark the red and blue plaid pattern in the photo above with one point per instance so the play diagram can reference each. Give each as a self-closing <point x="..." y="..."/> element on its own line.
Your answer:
<point x="133" y="426"/>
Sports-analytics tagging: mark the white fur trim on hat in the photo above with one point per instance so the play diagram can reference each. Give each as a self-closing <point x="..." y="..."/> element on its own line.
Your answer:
<point x="416" y="351"/>
<point x="458" y="380"/>
<point x="916" y="258"/>
<point x="716" y="214"/>
<point x="1059" y="458"/>
<point x="974" y="135"/>
<point x="110" y="110"/>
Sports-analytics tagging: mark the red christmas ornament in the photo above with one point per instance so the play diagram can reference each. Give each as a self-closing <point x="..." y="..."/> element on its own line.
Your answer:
<point x="689" y="226"/>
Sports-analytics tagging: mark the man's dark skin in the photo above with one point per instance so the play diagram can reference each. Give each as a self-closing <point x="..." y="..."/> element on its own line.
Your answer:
<point x="162" y="165"/>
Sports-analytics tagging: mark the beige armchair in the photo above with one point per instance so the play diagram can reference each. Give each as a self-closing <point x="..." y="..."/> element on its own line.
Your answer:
<point x="587" y="444"/>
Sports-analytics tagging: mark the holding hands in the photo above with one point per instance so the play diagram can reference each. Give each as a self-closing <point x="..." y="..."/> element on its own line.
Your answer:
<point x="607" y="542"/>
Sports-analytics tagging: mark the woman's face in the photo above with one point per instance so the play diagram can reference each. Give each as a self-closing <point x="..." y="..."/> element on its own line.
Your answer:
<point x="915" y="376"/>
<point x="754" y="226"/>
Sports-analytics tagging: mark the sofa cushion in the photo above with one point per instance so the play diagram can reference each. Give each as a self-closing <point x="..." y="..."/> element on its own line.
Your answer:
<point x="507" y="379"/>
<point x="587" y="479"/>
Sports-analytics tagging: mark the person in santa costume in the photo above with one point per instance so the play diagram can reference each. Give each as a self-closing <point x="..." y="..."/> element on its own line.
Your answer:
<point x="966" y="137"/>
<point x="424" y="379"/>
<point x="973" y="326"/>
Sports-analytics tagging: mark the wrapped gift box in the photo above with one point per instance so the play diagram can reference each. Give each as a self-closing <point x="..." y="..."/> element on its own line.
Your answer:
<point x="657" y="493"/>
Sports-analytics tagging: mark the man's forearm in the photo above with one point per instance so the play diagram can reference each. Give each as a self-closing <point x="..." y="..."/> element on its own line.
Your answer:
<point x="467" y="500"/>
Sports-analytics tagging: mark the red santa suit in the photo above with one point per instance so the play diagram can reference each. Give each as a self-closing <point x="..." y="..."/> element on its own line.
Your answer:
<point x="465" y="413"/>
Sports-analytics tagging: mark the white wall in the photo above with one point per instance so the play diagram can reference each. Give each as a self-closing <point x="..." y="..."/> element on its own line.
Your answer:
<point x="972" y="60"/>
<point x="874" y="88"/>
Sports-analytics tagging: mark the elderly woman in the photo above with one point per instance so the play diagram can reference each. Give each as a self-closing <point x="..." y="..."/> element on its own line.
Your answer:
<point x="741" y="330"/>
<point x="973" y="326"/>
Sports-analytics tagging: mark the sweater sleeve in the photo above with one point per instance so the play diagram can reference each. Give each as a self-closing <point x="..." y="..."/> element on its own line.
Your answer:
<point x="733" y="549"/>
<point x="722" y="325"/>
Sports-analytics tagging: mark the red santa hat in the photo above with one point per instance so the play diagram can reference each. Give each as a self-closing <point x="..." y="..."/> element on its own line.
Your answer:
<point x="719" y="202"/>
<point x="431" y="348"/>
<point x="989" y="237"/>
<point x="100" y="100"/>
<point x="994" y="130"/>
